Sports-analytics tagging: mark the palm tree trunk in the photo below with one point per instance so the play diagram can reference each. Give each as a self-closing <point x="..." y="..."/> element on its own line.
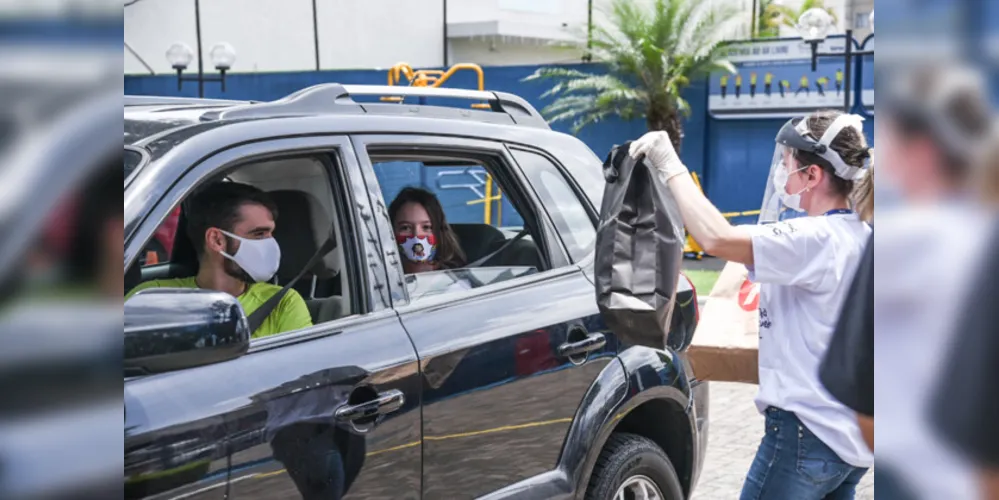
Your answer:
<point x="668" y="121"/>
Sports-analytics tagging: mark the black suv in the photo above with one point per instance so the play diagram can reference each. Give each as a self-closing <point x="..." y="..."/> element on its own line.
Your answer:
<point x="407" y="386"/>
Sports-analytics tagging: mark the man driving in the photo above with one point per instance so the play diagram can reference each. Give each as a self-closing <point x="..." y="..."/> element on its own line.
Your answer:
<point x="231" y="226"/>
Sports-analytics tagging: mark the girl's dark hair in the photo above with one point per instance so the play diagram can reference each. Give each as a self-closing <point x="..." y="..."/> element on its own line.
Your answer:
<point x="449" y="253"/>
<point x="849" y="144"/>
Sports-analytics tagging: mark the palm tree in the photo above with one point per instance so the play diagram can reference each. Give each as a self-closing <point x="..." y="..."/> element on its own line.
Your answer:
<point x="776" y="15"/>
<point x="649" y="56"/>
<point x="764" y="28"/>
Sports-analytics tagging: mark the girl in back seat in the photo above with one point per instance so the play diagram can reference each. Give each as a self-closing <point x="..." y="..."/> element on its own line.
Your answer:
<point x="426" y="241"/>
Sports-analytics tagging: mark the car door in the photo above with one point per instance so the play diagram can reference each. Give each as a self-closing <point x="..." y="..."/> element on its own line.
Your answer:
<point x="504" y="366"/>
<point x="305" y="414"/>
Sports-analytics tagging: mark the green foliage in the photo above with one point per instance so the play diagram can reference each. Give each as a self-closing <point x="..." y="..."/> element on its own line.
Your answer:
<point x="775" y="15"/>
<point x="650" y="56"/>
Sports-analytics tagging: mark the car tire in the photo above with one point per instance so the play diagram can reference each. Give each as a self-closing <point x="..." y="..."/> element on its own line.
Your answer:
<point x="627" y="458"/>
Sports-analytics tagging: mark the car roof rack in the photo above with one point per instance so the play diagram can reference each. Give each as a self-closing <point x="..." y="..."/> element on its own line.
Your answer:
<point x="336" y="98"/>
<point x="142" y="100"/>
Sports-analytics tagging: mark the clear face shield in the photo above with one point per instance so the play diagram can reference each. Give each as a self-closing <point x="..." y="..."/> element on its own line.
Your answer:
<point x="780" y="201"/>
<point x="775" y="207"/>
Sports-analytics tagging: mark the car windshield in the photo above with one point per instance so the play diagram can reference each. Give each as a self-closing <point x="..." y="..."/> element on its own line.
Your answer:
<point x="424" y="285"/>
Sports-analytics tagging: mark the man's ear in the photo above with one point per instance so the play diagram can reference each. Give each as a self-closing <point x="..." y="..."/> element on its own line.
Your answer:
<point x="214" y="240"/>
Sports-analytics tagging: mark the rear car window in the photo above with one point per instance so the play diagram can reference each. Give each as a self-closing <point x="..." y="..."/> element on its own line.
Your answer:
<point x="563" y="205"/>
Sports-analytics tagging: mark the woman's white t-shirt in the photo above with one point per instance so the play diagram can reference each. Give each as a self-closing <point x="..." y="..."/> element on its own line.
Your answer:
<point x="805" y="267"/>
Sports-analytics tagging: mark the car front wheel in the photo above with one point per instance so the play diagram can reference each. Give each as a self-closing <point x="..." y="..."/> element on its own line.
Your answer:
<point x="632" y="467"/>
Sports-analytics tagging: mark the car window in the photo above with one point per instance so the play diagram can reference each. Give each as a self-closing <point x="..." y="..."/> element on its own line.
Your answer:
<point x="301" y="189"/>
<point x="568" y="213"/>
<point x="489" y="228"/>
<point x="160" y="249"/>
<point x="463" y="190"/>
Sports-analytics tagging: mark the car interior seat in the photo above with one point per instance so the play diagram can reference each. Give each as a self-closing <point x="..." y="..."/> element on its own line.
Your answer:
<point x="303" y="226"/>
<point x="522" y="253"/>
<point x="477" y="240"/>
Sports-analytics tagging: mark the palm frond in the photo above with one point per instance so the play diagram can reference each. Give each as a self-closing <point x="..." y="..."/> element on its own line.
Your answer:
<point x="650" y="54"/>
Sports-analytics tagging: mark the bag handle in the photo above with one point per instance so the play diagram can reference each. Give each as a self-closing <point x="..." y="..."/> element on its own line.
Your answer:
<point x="257" y="317"/>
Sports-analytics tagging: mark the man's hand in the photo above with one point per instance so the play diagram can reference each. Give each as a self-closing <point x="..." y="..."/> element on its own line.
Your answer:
<point x="659" y="154"/>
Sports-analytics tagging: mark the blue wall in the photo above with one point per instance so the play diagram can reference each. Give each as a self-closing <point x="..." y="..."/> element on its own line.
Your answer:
<point x="732" y="156"/>
<point x="739" y="156"/>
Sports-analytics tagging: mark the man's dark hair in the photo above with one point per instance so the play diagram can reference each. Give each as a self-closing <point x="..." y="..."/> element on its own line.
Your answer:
<point x="218" y="206"/>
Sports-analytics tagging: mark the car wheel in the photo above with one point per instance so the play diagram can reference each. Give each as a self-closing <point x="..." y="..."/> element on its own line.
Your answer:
<point x="632" y="467"/>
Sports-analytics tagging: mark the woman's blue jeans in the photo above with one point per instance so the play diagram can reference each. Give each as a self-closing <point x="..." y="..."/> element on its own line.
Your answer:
<point x="792" y="463"/>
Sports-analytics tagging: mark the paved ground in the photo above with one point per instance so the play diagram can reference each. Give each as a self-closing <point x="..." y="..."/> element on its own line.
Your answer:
<point x="707" y="264"/>
<point x="736" y="430"/>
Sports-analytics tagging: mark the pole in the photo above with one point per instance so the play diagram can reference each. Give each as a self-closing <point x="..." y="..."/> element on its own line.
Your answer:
<point x="444" y="65"/>
<point x="201" y="63"/>
<point x="315" y="32"/>
<point x="848" y="72"/>
<point x="754" y="30"/>
<point x="589" y="32"/>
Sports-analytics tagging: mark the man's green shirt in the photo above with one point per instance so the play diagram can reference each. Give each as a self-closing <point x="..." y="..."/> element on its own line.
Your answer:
<point x="291" y="314"/>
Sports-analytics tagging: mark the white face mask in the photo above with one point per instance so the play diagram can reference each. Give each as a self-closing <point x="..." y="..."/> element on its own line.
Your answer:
<point x="418" y="249"/>
<point x="259" y="258"/>
<point x="792" y="201"/>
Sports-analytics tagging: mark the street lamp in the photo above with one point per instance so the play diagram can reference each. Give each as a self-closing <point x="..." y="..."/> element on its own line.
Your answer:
<point x="180" y="55"/>
<point x="814" y="26"/>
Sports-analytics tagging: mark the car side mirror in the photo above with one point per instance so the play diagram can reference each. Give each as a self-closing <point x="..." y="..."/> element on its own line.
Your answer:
<point x="170" y="329"/>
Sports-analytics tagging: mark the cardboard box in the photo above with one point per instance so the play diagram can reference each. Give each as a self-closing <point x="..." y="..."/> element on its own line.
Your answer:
<point x="726" y="344"/>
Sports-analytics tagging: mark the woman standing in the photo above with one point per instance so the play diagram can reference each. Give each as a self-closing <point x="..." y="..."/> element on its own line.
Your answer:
<point x="813" y="448"/>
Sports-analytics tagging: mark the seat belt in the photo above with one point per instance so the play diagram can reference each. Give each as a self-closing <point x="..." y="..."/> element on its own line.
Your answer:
<point x="257" y="317"/>
<point x="482" y="260"/>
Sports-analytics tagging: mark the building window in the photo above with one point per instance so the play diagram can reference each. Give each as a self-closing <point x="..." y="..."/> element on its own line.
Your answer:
<point x="862" y="20"/>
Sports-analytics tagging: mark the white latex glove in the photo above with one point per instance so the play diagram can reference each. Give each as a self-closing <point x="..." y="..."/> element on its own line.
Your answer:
<point x="659" y="154"/>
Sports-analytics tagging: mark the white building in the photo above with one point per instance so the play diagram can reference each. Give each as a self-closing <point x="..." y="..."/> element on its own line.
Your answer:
<point x="302" y="35"/>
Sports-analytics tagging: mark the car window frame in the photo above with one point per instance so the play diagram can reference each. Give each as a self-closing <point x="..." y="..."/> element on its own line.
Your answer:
<point x="558" y="259"/>
<point x="574" y="187"/>
<point x="143" y="160"/>
<point x="156" y="205"/>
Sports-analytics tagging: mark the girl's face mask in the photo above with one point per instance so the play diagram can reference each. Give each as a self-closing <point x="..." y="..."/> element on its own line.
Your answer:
<point x="417" y="249"/>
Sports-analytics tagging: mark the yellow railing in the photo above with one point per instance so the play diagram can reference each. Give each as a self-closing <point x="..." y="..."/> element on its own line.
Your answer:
<point x="431" y="78"/>
<point x="729" y="215"/>
<point x="488" y="200"/>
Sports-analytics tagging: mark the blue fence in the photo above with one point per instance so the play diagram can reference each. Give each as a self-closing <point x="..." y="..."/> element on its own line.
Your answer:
<point x="732" y="156"/>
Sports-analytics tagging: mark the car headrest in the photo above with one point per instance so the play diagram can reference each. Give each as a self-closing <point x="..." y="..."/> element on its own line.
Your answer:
<point x="477" y="239"/>
<point x="303" y="225"/>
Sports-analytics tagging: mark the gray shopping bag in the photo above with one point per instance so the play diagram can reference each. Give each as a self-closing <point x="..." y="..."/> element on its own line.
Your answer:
<point x="639" y="250"/>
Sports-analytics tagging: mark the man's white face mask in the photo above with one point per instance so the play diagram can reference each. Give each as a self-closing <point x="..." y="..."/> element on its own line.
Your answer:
<point x="781" y="176"/>
<point x="259" y="258"/>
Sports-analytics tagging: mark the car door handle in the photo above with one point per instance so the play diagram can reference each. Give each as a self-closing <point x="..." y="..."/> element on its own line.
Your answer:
<point x="385" y="402"/>
<point x="592" y="342"/>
